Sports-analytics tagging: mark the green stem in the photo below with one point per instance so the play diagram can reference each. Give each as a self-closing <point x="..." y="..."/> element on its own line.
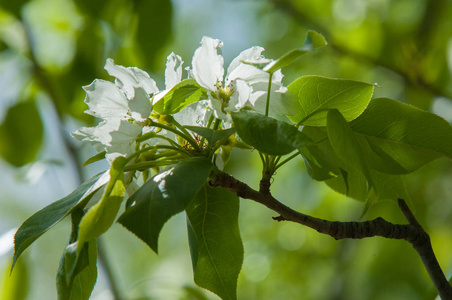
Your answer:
<point x="149" y="164"/>
<point x="267" y="106"/>
<point x="186" y="137"/>
<point x="286" y="160"/>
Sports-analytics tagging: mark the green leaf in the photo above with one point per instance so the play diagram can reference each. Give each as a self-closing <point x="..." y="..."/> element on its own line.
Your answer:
<point x="317" y="95"/>
<point x="94" y="158"/>
<point x="313" y="40"/>
<point x="268" y="135"/>
<point x="77" y="274"/>
<point x="351" y="183"/>
<point x="345" y="144"/>
<point x="215" y="244"/>
<point x="163" y="196"/>
<point x="102" y="215"/>
<point x="212" y="136"/>
<point x="402" y="137"/>
<point x="21" y="134"/>
<point x="320" y="160"/>
<point x="15" y="285"/>
<point x="50" y="215"/>
<point x="182" y="94"/>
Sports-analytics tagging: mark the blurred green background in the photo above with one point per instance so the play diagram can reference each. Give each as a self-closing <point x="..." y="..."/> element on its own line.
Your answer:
<point x="49" y="49"/>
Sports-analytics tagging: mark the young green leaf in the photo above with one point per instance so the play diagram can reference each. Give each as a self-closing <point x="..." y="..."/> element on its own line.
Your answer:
<point x="101" y="216"/>
<point x="94" y="158"/>
<point x="21" y="134"/>
<point x="313" y="40"/>
<point x="163" y="196"/>
<point x="345" y="144"/>
<point x="77" y="274"/>
<point x="268" y="135"/>
<point x="215" y="244"/>
<point x="50" y="215"/>
<point x="317" y="95"/>
<point x="402" y="137"/>
<point x="212" y="136"/>
<point x="181" y="95"/>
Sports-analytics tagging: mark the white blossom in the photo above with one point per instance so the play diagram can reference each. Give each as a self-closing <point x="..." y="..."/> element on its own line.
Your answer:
<point x="124" y="106"/>
<point x="243" y="86"/>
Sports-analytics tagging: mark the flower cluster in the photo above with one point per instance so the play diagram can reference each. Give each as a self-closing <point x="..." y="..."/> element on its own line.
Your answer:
<point x="125" y="106"/>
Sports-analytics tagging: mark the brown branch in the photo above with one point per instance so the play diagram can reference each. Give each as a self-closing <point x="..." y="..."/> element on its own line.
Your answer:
<point x="413" y="232"/>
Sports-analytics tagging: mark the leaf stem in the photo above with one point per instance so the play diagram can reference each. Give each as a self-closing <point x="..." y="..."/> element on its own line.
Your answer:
<point x="149" y="164"/>
<point x="267" y="106"/>
<point x="286" y="160"/>
<point x="186" y="136"/>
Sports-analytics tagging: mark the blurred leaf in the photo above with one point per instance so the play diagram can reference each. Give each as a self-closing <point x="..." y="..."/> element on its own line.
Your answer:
<point x="268" y="135"/>
<point x="21" y="134"/>
<point x="181" y="95"/>
<point x="50" y="215"/>
<point x="212" y="136"/>
<point x="84" y="275"/>
<point x="403" y="137"/>
<point x="163" y="196"/>
<point x="92" y="8"/>
<point x="13" y="6"/>
<point x="87" y="64"/>
<point x="214" y="237"/>
<point x="316" y="95"/>
<point x="101" y="216"/>
<point x="154" y="26"/>
<point x="313" y="40"/>
<point x="15" y="285"/>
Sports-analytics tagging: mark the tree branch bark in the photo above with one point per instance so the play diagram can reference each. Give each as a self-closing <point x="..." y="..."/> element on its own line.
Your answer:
<point x="412" y="232"/>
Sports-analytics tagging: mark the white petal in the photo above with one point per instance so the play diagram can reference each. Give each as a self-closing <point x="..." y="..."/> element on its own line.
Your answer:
<point x="140" y="105"/>
<point x="237" y="69"/>
<point x="119" y="150"/>
<point x="208" y="63"/>
<point x="173" y="71"/>
<point x="195" y="114"/>
<point x="105" y="100"/>
<point x="281" y="103"/>
<point x="86" y="134"/>
<point x="116" y="131"/>
<point x="128" y="78"/>
<point x="242" y="93"/>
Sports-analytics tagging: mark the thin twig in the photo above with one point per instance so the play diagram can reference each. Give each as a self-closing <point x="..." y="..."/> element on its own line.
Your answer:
<point x="412" y="232"/>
